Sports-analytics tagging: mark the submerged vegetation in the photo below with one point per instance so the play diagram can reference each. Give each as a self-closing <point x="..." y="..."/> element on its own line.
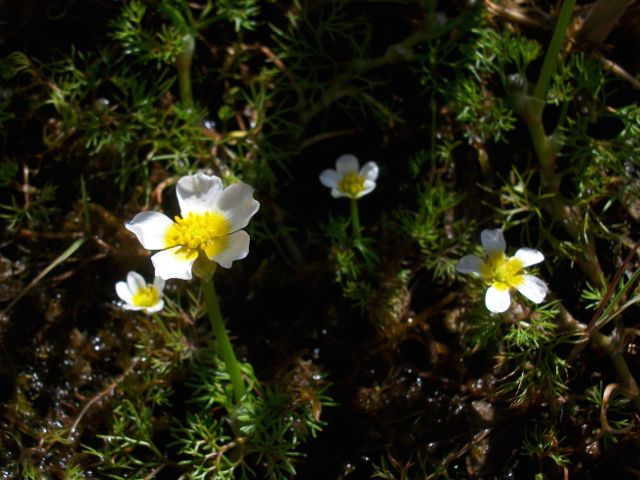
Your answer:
<point x="357" y="346"/>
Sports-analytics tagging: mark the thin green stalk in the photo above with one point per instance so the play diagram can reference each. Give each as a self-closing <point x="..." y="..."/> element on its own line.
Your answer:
<point x="564" y="111"/>
<point x="220" y="333"/>
<point x="434" y="133"/>
<point x="85" y="206"/>
<point x="158" y="319"/>
<point x="548" y="146"/>
<point x="183" y="65"/>
<point x="545" y="148"/>
<point x="546" y="151"/>
<point x="355" y="219"/>
<point x="184" y="79"/>
<point x="57" y="261"/>
<point x="550" y="59"/>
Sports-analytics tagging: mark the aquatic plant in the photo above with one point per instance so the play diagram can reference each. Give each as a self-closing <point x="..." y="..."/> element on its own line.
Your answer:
<point x="361" y="350"/>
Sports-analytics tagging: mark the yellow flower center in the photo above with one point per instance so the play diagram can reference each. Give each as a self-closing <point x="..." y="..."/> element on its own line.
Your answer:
<point x="502" y="272"/>
<point x="351" y="184"/>
<point x="145" y="297"/>
<point x="204" y="232"/>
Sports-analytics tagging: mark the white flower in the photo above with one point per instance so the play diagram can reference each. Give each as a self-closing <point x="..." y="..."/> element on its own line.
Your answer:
<point x="348" y="179"/>
<point x="503" y="273"/>
<point x="137" y="295"/>
<point x="209" y="228"/>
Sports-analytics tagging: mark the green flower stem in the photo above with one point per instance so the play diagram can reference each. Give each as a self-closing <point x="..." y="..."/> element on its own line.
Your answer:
<point x="547" y="152"/>
<point x="547" y="148"/>
<point x="184" y="78"/>
<point x="220" y="333"/>
<point x="551" y="57"/>
<point x="183" y="65"/>
<point x="158" y="319"/>
<point x="570" y="217"/>
<point x="355" y="219"/>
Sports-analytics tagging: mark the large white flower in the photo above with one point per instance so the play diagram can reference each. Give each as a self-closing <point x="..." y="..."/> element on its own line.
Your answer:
<point x="348" y="179"/>
<point x="209" y="228"/>
<point x="137" y="295"/>
<point x="504" y="273"/>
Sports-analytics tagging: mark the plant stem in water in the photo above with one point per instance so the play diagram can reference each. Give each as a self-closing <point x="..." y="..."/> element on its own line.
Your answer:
<point x="222" y="339"/>
<point x="355" y="219"/>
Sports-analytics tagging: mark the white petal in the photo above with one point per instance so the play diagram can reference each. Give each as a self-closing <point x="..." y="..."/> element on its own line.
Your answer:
<point x="369" y="186"/>
<point x="529" y="256"/>
<point x="151" y="229"/>
<point x="122" y="289"/>
<point x="330" y="178"/>
<point x="237" y="249"/>
<point x="370" y="171"/>
<point x="533" y="288"/>
<point x="198" y="193"/>
<point x="135" y="282"/>
<point x="347" y="164"/>
<point x="237" y="204"/>
<point x="158" y="284"/>
<point x="128" y="306"/>
<point x="497" y="300"/>
<point x="174" y="263"/>
<point x="335" y="193"/>
<point x="493" y="241"/>
<point x="469" y="264"/>
<point x="155" y="308"/>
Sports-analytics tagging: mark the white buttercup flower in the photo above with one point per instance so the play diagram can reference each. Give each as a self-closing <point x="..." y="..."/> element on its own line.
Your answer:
<point x="348" y="179"/>
<point x="503" y="273"/>
<point x="209" y="228"/>
<point x="138" y="295"/>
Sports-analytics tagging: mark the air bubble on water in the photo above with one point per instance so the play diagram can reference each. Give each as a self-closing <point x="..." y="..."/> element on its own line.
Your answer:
<point x="101" y="105"/>
<point x="348" y="468"/>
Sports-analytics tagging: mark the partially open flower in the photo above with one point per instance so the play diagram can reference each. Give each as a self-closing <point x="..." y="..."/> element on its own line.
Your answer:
<point x="504" y="273"/>
<point x="348" y="179"/>
<point x="138" y="295"/>
<point x="208" y="230"/>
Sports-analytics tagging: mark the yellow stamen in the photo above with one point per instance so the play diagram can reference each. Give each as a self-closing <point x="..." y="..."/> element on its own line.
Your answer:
<point x="145" y="297"/>
<point x="351" y="184"/>
<point x="201" y="232"/>
<point x="502" y="272"/>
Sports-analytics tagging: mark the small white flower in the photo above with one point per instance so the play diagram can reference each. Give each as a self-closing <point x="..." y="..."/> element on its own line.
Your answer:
<point x="504" y="273"/>
<point x="137" y="295"/>
<point x="348" y="179"/>
<point x="208" y="230"/>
